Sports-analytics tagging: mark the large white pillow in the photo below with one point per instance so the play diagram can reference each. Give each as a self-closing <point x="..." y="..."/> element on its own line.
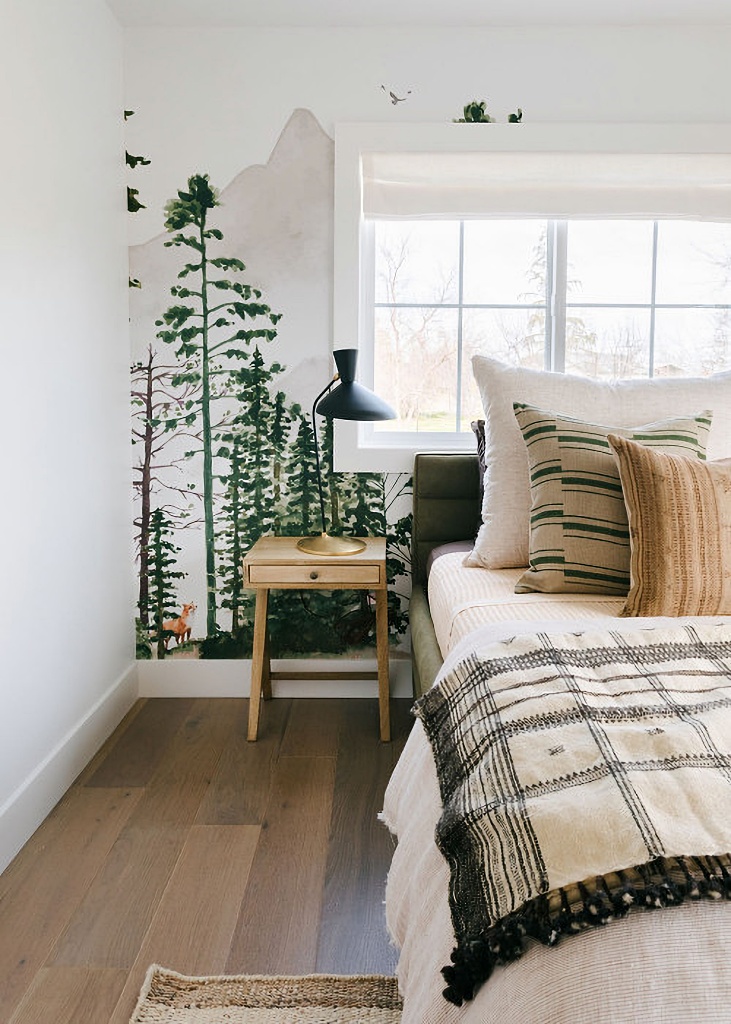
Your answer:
<point x="502" y="540"/>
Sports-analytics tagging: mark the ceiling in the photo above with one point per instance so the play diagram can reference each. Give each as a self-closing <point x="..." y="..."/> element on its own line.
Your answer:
<point x="418" y="13"/>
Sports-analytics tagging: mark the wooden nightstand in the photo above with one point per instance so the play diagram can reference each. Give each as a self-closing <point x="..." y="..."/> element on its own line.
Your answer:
<point x="275" y="563"/>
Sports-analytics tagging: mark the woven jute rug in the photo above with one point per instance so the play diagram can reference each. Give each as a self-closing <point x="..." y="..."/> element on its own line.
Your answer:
<point x="171" y="998"/>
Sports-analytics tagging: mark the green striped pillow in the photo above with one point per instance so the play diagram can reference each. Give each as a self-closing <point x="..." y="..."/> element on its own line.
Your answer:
<point x="579" y="535"/>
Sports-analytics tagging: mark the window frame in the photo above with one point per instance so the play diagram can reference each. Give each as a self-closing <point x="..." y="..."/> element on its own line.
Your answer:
<point x="357" y="448"/>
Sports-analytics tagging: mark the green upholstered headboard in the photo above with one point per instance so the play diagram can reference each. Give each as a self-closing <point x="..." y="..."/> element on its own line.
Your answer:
<point x="446" y="504"/>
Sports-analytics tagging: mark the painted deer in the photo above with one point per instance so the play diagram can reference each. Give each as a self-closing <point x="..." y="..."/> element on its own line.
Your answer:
<point x="180" y="626"/>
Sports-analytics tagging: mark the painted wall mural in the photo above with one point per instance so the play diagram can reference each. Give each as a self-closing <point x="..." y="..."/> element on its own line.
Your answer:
<point x="230" y="320"/>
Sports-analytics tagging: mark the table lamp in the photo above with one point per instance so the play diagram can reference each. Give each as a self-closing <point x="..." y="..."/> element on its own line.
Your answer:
<point x="348" y="401"/>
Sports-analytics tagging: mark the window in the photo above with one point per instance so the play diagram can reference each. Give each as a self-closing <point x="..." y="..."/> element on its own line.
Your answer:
<point x="598" y="249"/>
<point x="606" y="299"/>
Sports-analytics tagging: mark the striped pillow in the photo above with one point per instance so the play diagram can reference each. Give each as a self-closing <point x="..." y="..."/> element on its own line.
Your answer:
<point x="679" y="513"/>
<point x="579" y="537"/>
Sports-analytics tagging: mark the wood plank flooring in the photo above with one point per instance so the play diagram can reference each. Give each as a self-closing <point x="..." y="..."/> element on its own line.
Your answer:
<point x="182" y="844"/>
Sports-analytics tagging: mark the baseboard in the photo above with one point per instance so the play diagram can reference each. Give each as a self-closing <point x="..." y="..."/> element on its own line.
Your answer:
<point x="183" y="677"/>
<point x="25" y="809"/>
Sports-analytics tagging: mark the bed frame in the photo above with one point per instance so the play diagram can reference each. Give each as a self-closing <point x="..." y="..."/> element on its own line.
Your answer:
<point x="446" y="508"/>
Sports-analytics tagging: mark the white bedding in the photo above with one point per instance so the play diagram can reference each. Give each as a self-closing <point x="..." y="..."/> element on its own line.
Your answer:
<point x="667" y="967"/>
<point x="462" y="599"/>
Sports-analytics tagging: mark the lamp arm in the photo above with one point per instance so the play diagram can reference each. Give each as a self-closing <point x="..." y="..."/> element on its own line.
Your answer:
<point x="317" y="448"/>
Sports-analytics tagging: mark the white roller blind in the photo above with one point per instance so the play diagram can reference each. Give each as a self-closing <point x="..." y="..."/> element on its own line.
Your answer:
<point x="546" y="184"/>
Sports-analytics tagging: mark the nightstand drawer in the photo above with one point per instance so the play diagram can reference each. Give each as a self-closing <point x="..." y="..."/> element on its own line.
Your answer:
<point x="309" y="575"/>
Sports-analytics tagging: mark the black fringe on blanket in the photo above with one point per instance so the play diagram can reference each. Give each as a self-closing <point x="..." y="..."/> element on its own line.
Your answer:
<point x="664" y="882"/>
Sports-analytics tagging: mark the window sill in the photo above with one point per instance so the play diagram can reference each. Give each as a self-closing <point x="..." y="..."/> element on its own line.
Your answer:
<point x="357" y="453"/>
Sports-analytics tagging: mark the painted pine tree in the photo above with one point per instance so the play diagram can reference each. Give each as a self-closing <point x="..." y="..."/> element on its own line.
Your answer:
<point x="233" y="508"/>
<point x="303" y="505"/>
<point x="284" y="417"/>
<point x="252" y="443"/>
<point x="162" y="559"/>
<point x="212" y="328"/>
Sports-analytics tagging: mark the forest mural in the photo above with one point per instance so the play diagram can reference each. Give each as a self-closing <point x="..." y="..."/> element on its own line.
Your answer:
<point x="231" y="341"/>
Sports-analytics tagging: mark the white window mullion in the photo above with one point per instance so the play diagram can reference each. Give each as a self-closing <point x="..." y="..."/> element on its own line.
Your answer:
<point x="557" y="279"/>
<point x="653" y="302"/>
<point x="367" y="306"/>
<point x="548" y="297"/>
<point x="460" y="300"/>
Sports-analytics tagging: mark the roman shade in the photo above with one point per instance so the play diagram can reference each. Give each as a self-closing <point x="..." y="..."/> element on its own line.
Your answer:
<point x="551" y="185"/>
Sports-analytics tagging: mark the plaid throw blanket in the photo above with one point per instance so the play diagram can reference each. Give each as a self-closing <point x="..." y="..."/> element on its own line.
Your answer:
<point x="580" y="775"/>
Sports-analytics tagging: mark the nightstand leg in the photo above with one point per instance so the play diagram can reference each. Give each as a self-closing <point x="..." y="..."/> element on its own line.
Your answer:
<point x="384" y="710"/>
<point x="257" y="661"/>
<point x="266" y="670"/>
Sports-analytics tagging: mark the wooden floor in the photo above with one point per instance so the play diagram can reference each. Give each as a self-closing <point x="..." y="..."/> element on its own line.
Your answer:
<point x="184" y="845"/>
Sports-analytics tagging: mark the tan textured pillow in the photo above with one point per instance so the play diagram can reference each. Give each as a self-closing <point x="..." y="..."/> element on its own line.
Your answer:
<point x="679" y="513"/>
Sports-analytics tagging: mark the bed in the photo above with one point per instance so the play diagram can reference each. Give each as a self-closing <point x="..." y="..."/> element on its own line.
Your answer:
<point x="655" y="949"/>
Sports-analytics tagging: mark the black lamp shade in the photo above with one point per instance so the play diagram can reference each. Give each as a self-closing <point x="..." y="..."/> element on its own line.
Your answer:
<point x="350" y="400"/>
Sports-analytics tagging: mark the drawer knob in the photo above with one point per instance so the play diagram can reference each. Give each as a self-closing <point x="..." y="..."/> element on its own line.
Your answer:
<point x="314" y="575"/>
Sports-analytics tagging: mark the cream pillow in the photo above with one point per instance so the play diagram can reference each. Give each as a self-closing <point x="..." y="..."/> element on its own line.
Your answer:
<point x="503" y="537"/>
<point x="679" y="513"/>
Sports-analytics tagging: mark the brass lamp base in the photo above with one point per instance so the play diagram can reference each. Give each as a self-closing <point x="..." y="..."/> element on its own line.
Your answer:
<point x="329" y="546"/>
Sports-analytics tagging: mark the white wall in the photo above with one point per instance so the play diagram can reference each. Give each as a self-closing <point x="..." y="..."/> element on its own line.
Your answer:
<point x="65" y="551"/>
<point x="216" y="100"/>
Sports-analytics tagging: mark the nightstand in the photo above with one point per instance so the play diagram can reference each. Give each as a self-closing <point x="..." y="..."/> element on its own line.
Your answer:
<point x="276" y="563"/>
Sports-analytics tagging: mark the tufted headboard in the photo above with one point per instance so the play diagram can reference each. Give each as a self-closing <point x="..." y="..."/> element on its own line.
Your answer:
<point x="446" y="504"/>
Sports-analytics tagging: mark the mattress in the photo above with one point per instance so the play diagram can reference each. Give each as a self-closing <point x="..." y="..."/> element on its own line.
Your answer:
<point x="463" y="599"/>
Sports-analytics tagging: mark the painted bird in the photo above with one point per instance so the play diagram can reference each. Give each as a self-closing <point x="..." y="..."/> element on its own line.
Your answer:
<point x="394" y="98"/>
